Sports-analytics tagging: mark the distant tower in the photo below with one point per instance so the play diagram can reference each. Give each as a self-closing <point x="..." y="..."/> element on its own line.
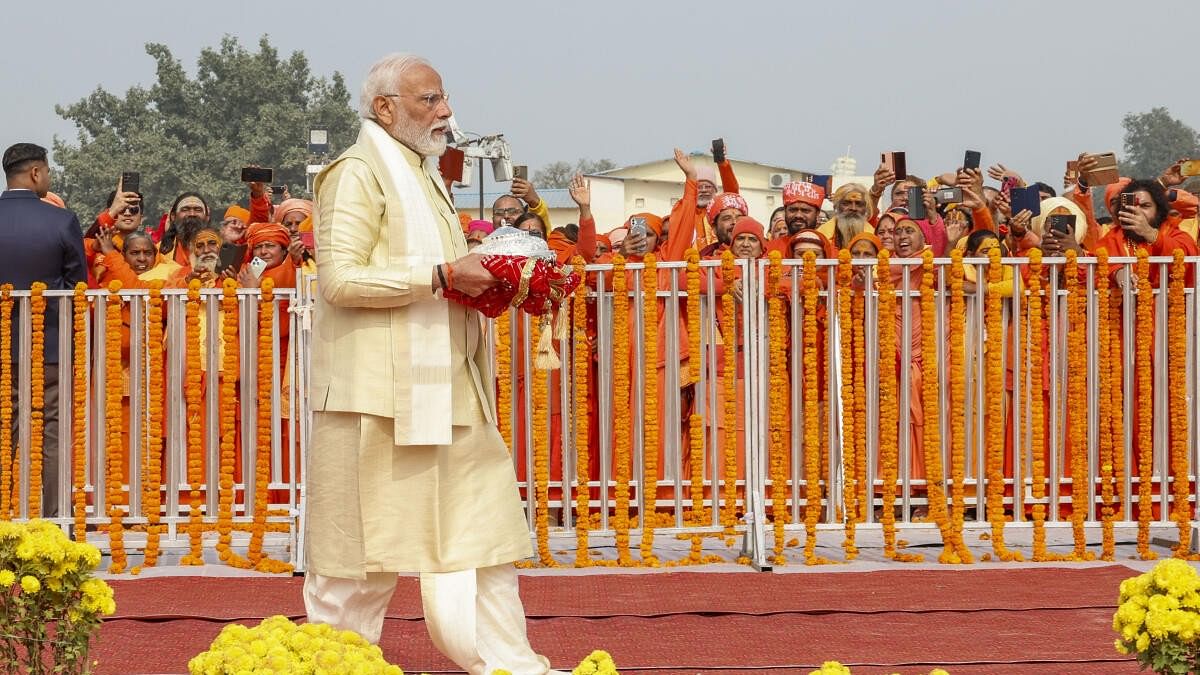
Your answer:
<point x="844" y="165"/>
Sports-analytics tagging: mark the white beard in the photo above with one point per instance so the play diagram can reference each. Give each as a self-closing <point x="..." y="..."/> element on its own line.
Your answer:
<point x="850" y="226"/>
<point x="425" y="142"/>
<point x="205" y="263"/>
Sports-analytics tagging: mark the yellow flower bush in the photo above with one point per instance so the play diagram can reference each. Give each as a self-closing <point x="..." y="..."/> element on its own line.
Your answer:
<point x="1158" y="618"/>
<point x="279" y="646"/>
<point x="597" y="663"/>
<point x="46" y="579"/>
<point x="835" y="668"/>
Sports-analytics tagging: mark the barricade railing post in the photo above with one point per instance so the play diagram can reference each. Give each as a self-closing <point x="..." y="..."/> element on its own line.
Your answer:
<point x="754" y="542"/>
<point x="67" y="452"/>
<point x="833" y="414"/>
<point x="1015" y="415"/>
<point x="796" y="349"/>
<point x="24" y="412"/>
<point x="1128" y="314"/>
<point x="871" y="366"/>
<point x="1162" y="428"/>
<point x="604" y="340"/>
<point x="637" y="378"/>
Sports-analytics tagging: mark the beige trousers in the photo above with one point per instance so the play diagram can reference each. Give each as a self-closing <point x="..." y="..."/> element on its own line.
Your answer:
<point x="474" y="617"/>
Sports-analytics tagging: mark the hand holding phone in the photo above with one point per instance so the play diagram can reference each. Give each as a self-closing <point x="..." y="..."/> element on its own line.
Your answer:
<point x="521" y="171"/>
<point x="131" y="181"/>
<point x="257" y="266"/>
<point x="916" y="203"/>
<point x="1061" y="223"/>
<point x="971" y="159"/>
<point x="718" y="150"/>
<point x="257" y="174"/>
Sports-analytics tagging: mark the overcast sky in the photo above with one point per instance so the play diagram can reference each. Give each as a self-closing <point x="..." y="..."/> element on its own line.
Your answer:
<point x="1030" y="84"/>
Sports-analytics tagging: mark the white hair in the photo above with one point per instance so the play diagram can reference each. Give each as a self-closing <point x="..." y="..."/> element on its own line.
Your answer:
<point x="383" y="78"/>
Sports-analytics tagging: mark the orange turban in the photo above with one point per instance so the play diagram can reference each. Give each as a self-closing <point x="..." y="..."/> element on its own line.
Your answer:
<point x="290" y="205"/>
<point x="814" y="237"/>
<point x="727" y="200"/>
<point x="868" y="237"/>
<point x="653" y="222"/>
<point x="263" y="232"/>
<point x="800" y="191"/>
<point x="748" y="225"/>
<point x="238" y="212"/>
<point x="1112" y="190"/>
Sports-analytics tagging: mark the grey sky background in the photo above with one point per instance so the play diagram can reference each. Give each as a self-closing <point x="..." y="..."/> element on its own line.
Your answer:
<point x="1029" y="84"/>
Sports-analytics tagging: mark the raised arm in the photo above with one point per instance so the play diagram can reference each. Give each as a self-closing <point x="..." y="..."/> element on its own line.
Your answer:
<point x="683" y="219"/>
<point x="580" y="189"/>
<point x="524" y="190"/>
<point x="729" y="182"/>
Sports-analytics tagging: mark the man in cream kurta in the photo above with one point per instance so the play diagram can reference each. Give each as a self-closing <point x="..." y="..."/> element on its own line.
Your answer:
<point x="406" y="470"/>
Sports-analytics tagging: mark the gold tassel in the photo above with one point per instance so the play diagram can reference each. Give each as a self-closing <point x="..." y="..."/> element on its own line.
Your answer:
<point x="561" y="322"/>
<point x="546" y="358"/>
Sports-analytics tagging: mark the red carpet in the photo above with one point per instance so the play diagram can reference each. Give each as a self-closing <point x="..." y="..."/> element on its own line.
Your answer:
<point x="970" y="621"/>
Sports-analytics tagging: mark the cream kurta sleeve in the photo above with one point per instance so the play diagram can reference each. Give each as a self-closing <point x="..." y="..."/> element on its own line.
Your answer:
<point x="348" y="227"/>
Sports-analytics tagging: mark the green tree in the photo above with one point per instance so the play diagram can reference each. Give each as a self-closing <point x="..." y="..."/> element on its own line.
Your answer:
<point x="185" y="133"/>
<point x="558" y="174"/>
<point x="1154" y="141"/>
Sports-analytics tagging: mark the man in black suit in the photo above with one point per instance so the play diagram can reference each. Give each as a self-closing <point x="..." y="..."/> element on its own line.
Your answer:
<point x="39" y="242"/>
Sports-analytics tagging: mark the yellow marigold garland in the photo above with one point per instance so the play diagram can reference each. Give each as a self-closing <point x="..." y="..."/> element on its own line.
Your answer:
<point x="958" y="394"/>
<point x="9" y="469"/>
<point x="1144" y="370"/>
<point x="850" y="476"/>
<point x="889" y="423"/>
<point x="154" y="449"/>
<point x="931" y="430"/>
<point x="621" y="405"/>
<point x="114" y="447"/>
<point x="1106" y="438"/>
<point x="858" y="326"/>
<point x="780" y="438"/>
<point x="79" y="412"/>
<point x="194" y="394"/>
<point x="1177" y="354"/>
<point x="812" y="416"/>
<point x="1077" y="406"/>
<point x="580" y="360"/>
<point x="995" y="424"/>
<point x="650" y="414"/>
<point x="729" y="448"/>
<point x="37" y="395"/>
<point x="1037" y="414"/>
<point x="504" y="392"/>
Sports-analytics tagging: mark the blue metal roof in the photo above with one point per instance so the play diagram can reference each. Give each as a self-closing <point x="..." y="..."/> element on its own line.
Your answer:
<point x="468" y="199"/>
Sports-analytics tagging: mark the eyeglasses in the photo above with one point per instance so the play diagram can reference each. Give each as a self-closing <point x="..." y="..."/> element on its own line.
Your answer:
<point x="430" y="100"/>
<point x="131" y="210"/>
<point x="506" y="212"/>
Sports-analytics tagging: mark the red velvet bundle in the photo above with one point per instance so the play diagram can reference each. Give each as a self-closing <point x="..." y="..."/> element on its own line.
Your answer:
<point x="535" y="285"/>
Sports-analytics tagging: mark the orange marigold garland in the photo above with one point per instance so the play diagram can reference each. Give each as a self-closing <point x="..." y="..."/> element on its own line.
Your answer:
<point x="694" y="317"/>
<point x="154" y="449"/>
<point x="812" y="416"/>
<point x="541" y="456"/>
<point x="1177" y="353"/>
<point x="79" y="412"/>
<point x="1116" y="395"/>
<point x="780" y="438"/>
<point x="931" y="431"/>
<point x="114" y="447"/>
<point x="1105" y="404"/>
<point x="1077" y="405"/>
<point x="729" y="450"/>
<point x="9" y="470"/>
<point x="37" y="395"/>
<point x="504" y="392"/>
<point x="1037" y="414"/>
<point x="193" y="395"/>
<point x="1144" y="369"/>
<point x="995" y="399"/>
<point x="621" y="405"/>
<point x="228" y="419"/>
<point x="958" y="394"/>
<point x="262" y="461"/>
<point x="889" y="449"/>
<point x="580" y="360"/>
<point x="650" y="413"/>
<point x="850" y="476"/>
<point x="858" y="326"/>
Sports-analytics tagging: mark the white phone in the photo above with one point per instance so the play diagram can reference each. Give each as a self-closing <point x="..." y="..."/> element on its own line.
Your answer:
<point x="257" y="265"/>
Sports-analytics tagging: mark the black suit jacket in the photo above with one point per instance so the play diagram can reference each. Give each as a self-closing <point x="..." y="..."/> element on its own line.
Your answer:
<point x="39" y="242"/>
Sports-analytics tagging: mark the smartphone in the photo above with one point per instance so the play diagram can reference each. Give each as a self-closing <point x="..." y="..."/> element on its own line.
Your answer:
<point x="971" y="159"/>
<point x="718" y="150"/>
<point x="131" y="181"/>
<point x="231" y="257"/>
<point x="1063" y="223"/>
<point x="278" y="190"/>
<point x="257" y="265"/>
<point x="1026" y="199"/>
<point x="637" y="225"/>
<point x="309" y="241"/>
<point x="1128" y="201"/>
<point x="1190" y="168"/>
<point x="894" y="161"/>
<point x="521" y="171"/>
<point x="952" y="195"/>
<point x="916" y="203"/>
<point x="1105" y="172"/>
<point x="256" y="174"/>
